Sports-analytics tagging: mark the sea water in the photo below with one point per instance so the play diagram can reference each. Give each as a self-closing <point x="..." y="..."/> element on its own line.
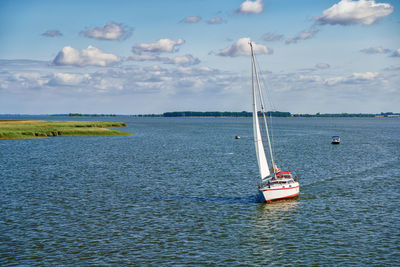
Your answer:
<point x="183" y="191"/>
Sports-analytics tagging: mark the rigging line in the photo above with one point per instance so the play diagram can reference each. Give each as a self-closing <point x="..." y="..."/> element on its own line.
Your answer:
<point x="263" y="112"/>
<point x="266" y="86"/>
<point x="269" y="99"/>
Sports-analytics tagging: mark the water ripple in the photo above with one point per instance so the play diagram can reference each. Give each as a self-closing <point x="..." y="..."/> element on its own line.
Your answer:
<point x="183" y="192"/>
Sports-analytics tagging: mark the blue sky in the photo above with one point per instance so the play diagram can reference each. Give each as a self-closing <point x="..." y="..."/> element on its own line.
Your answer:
<point x="135" y="57"/>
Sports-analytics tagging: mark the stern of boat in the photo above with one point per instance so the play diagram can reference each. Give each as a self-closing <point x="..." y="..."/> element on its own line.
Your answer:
<point x="272" y="193"/>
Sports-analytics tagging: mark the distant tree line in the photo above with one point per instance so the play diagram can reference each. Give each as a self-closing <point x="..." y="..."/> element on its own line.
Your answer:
<point x="334" y="115"/>
<point x="148" y="115"/>
<point x="237" y="114"/>
<point x="222" y="114"/>
<point x="90" y="115"/>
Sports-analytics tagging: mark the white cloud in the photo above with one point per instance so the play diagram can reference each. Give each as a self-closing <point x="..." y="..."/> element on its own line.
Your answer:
<point x="69" y="79"/>
<point x="242" y="48"/>
<point x="215" y="20"/>
<point x="171" y="87"/>
<point x="270" y="37"/>
<point x="310" y="78"/>
<point x="251" y="7"/>
<point x="375" y="50"/>
<point x="191" y="19"/>
<point x="393" y="68"/>
<point x="28" y="79"/>
<point x="396" y="53"/>
<point x="111" y="31"/>
<point x="90" y="56"/>
<point x="322" y="66"/>
<point x="352" y="79"/>
<point x="364" y="76"/>
<point x="162" y="45"/>
<point x="348" y="12"/>
<point x="302" y="36"/>
<point x="142" y="57"/>
<point x="21" y="76"/>
<point x="108" y="84"/>
<point x="185" y="60"/>
<point x="52" y="33"/>
<point x="298" y="80"/>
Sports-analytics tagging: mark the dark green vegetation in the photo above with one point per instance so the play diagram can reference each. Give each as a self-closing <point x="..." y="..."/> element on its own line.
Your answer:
<point x="90" y="115"/>
<point x="222" y="114"/>
<point x="16" y="129"/>
<point x="269" y="113"/>
<point x="340" y="115"/>
<point x="233" y="114"/>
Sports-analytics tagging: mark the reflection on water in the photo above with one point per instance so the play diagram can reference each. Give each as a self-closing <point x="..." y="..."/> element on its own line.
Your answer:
<point x="278" y="207"/>
<point x="270" y="216"/>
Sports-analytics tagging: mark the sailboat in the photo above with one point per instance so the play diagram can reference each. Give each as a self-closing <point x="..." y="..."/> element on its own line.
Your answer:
<point x="275" y="183"/>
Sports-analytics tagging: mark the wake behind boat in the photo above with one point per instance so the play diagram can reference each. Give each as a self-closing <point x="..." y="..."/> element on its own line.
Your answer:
<point x="275" y="184"/>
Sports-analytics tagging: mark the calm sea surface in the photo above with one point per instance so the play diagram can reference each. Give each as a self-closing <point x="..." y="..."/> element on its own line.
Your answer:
<point x="183" y="191"/>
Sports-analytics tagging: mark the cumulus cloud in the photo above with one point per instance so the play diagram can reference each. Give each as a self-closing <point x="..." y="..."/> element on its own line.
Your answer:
<point x="199" y="84"/>
<point x="396" y="53"/>
<point x="154" y="79"/>
<point x="146" y="57"/>
<point x="270" y="37"/>
<point x="242" y="48"/>
<point x="251" y="7"/>
<point x="352" y="79"/>
<point x="322" y="66"/>
<point x="185" y="60"/>
<point x="191" y="19"/>
<point x="302" y="36"/>
<point x="348" y="12"/>
<point x="375" y="50"/>
<point x="90" y="56"/>
<point x="111" y="31"/>
<point x="393" y="68"/>
<point x="162" y="45"/>
<point x="120" y="81"/>
<point x="52" y="33"/>
<point x="28" y="79"/>
<point x="215" y="20"/>
<point x="310" y="78"/>
<point x="68" y="79"/>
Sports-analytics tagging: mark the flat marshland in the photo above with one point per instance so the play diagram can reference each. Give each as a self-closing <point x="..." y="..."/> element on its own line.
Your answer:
<point x="16" y="129"/>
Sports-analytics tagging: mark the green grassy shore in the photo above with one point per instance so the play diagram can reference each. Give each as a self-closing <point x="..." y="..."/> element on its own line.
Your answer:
<point x="17" y="129"/>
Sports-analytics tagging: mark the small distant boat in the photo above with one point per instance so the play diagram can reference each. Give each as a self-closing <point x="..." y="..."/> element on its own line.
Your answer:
<point x="237" y="137"/>
<point x="275" y="184"/>
<point x="335" y="140"/>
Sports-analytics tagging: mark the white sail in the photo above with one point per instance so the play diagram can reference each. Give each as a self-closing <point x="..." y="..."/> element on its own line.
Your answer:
<point x="261" y="158"/>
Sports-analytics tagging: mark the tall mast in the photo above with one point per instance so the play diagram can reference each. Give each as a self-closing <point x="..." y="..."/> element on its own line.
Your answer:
<point x="260" y="152"/>
<point x="262" y="107"/>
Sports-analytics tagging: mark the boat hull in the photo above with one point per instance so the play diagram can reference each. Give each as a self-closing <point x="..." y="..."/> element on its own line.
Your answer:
<point x="272" y="194"/>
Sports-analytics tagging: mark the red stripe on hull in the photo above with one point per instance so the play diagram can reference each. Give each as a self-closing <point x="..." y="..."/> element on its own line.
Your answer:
<point x="281" y="188"/>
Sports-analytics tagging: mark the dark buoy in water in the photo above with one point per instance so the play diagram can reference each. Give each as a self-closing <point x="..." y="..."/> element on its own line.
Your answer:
<point x="237" y="137"/>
